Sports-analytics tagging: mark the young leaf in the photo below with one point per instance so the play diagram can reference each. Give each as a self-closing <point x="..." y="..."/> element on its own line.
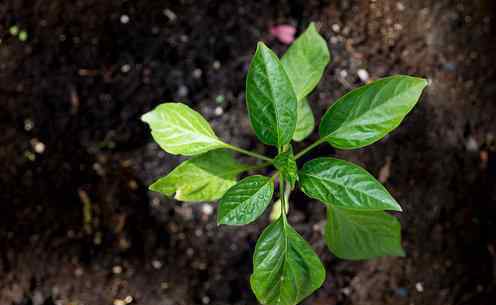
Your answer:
<point x="286" y="164"/>
<point x="305" y="121"/>
<point x="305" y="61"/>
<point x="286" y="269"/>
<point x="275" y="213"/>
<point x="246" y="201"/>
<point x="352" y="234"/>
<point x="368" y="113"/>
<point x="344" y="184"/>
<point x="270" y="98"/>
<point x="179" y="130"/>
<point x="202" y="178"/>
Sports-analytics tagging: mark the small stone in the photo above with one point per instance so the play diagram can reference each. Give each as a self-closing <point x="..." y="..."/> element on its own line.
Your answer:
<point x="218" y="110"/>
<point x="182" y="91"/>
<point x="363" y="75"/>
<point x="157" y="264"/>
<point x="419" y="286"/>
<point x="125" y="68"/>
<point x="197" y="73"/>
<point x="170" y="14"/>
<point x="28" y="124"/>
<point x="216" y="65"/>
<point x="117" y="269"/>
<point x="336" y="27"/>
<point x="125" y="19"/>
<point x="207" y="209"/>
<point x="471" y="144"/>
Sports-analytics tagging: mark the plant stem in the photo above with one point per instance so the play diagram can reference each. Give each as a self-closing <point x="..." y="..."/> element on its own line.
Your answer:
<point x="282" y="195"/>
<point x="249" y="153"/>
<point x="309" y="148"/>
<point x="259" y="166"/>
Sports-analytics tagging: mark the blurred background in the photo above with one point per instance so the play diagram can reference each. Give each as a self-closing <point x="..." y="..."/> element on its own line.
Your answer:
<point x="78" y="226"/>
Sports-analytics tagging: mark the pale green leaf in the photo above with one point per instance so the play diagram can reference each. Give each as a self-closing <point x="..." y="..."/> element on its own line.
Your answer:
<point x="246" y="201"/>
<point x="306" y="60"/>
<point x="352" y="234"/>
<point x="344" y="184"/>
<point x="202" y="178"/>
<point x="270" y="98"/>
<point x="305" y="121"/>
<point x="179" y="130"/>
<point x="366" y="114"/>
<point x="286" y="269"/>
<point x="275" y="213"/>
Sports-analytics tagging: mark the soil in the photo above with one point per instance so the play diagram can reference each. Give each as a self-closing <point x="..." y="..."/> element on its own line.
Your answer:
<point x="78" y="226"/>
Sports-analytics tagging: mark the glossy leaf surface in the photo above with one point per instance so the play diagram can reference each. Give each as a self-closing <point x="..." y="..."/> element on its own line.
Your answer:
<point x="286" y="269"/>
<point x="286" y="164"/>
<point x="305" y="61"/>
<point x="352" y="234"/>
<point x="246" y="201"/>
<point x="305" y="121"/>
<point x="179" y="130"/>
<point x="202" y="178"/>
<point x="344" y="184"/>
<point x="366" y="114"/>
<point x="270" y="98"/>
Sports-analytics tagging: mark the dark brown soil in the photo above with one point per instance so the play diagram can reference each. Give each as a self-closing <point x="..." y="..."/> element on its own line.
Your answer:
<point x="78" y="226"/>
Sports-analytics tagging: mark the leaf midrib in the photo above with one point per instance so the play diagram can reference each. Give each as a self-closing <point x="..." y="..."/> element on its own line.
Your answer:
<point x="360" y="116"/>
<point x="346" y="187"/>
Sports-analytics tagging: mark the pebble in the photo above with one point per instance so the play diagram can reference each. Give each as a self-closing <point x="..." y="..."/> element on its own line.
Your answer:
<point x="125" y="19"/>
<point x="125" y="68"/>
<point x="170" y="14"/>
<point x="197" y="73"/>
<point x="218" y="110"/>
<point x="157" y="264"/>
<point x="420" y="287"/>
<point x="363" y="75"/>
<point x="117" y="269"/>
<point x="471" y="144"/>
<point x="207" y="209"/>
<point x="182" y="91"/>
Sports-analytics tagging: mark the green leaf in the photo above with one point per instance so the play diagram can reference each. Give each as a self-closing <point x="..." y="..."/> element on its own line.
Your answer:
<point x="270" y="98"/>
<point x="286" y="269"/>
<point x="202" y="178"/>
<point x="305" y="122"/>
<point x="286" y="164"/>
<point x="344" y="184"/>
<point x="366" y="114"/>
<point x="246" y="201"/>
<point x="353" y="234"/>
<point x="305" y="61"/>
<point x="179" y="130"/>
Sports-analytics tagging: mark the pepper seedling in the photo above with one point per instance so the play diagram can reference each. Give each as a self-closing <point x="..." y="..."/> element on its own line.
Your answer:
<point x="285" y="267"/>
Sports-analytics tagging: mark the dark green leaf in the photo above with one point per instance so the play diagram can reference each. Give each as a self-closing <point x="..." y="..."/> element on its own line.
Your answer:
<point x="270" y="98"/>
<point x="344" y="184"/>
<point x="355" y="234"/>
<point x="286" y="164"/>
<point x="286" y="269"/>
<point x="305" y="61"/>
<point x="245" y="201"/>
<point x="368" y="113"/>
<point x="179" y="129"/>
<point x="203" y="178"/>
<point x="305" y="122"/>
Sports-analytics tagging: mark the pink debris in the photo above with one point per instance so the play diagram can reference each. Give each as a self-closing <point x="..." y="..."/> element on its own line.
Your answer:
<point x="284" y="32"/>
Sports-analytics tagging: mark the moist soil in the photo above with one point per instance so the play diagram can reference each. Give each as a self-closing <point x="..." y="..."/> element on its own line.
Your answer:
<point x="78" y="225"/>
